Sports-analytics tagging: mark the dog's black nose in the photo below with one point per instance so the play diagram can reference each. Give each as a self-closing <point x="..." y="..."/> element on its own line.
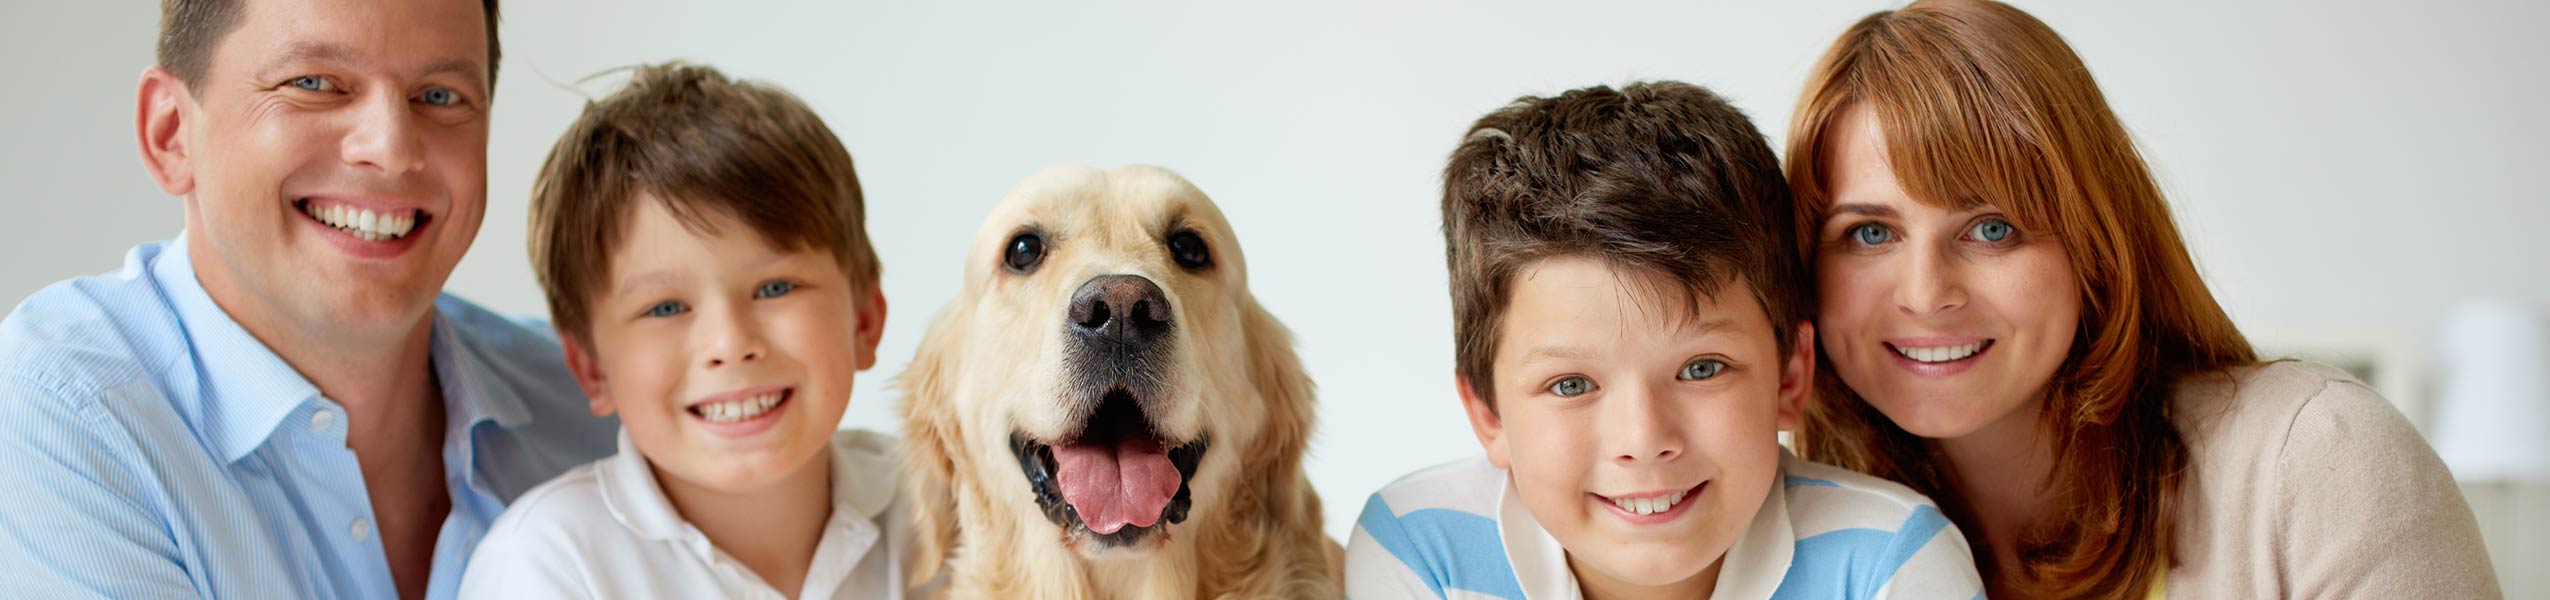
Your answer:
<point x="1120" y="308"/>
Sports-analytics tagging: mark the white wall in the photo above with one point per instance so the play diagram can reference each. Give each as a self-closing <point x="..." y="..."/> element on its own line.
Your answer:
<point x="2345" y="169"/>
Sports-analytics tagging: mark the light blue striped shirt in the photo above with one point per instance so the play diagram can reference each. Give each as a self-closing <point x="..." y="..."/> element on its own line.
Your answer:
<point x="156" y="450"/>
<point x="1460" y="531"/>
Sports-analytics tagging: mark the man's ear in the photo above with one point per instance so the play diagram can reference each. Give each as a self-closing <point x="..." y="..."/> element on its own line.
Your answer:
<point x="160" y="119"/>
<point x="1797" y="377"/>
<point x="871" y="325"/>
<point x="588" y="373"/>
<point x="1485" y="423"/>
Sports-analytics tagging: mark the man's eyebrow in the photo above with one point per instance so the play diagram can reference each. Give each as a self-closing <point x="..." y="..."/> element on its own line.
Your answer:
<point x="456" y="66"/>
<point x="318" y="52"/>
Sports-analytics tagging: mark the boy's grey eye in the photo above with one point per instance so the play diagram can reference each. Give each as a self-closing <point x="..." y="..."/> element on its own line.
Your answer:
<point x="667" y="308"/>
<point x="1701" y="369"/>
<point x="774" y="289"/>
<point x="1572" y="386"/>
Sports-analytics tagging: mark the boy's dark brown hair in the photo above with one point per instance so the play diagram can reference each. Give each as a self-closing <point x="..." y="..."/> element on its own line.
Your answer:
<point x="705" y="146"/>
<point x="1663" y="180"/>
<point x="189" y="31"/>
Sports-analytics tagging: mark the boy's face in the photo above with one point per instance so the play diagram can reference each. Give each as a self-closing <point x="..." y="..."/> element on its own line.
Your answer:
<point x="728" y="360"/>
<point x="1644" y="441"/>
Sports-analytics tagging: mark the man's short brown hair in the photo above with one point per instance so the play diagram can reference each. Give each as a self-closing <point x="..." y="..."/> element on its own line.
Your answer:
<point x="1663" y="180"/>
<point x="189" y="31"/>
<point x="706" y="147"/>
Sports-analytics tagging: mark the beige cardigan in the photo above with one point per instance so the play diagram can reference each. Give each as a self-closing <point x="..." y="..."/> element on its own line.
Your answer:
<point x="2307" y="484"/>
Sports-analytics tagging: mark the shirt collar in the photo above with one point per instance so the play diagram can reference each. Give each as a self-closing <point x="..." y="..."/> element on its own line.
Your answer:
<point x="246" y="389"/>
<point x="1752" y="568"/>
<point x="634" y="497"/>
<point x="463" y="370"/>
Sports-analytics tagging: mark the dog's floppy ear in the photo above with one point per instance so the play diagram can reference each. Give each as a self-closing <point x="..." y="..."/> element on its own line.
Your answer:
<point x="1282" y="532"/>
<point x="931" y="448"/>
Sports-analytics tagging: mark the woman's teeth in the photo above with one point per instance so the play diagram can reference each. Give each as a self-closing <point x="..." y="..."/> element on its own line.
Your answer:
<point x="1939" y="354"/>
<point x="1651" y="505"/>
<point x="363" y="224"/>
<point x="738" y="410"/>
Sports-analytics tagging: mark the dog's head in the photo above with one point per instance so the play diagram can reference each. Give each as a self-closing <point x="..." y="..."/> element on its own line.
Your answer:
<point x="1103" y="372"/>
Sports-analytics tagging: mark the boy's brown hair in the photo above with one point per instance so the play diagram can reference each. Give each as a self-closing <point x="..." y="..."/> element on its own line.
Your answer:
<point x="1663" y="179"/>
<point x="705" y="146"/>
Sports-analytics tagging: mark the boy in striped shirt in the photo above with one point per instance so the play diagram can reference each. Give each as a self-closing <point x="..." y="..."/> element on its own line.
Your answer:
<point x="1631" y="335"/>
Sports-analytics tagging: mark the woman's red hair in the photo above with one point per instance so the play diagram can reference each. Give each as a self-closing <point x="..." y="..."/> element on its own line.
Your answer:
<point x="1981" y="103"/>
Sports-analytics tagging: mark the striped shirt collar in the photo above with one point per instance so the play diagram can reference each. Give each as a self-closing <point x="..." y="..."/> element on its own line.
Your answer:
<point x="1752" y="568"/>
<point x="247" y="390"/>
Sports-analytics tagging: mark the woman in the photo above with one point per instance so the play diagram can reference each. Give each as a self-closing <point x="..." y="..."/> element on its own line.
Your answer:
<point x="2014" y="327"/>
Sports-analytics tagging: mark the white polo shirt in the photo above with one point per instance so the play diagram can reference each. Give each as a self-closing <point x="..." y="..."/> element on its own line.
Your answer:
<point x="605" y="530"/>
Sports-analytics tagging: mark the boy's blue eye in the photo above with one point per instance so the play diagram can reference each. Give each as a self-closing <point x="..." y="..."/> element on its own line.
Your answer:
<point x="1870" y="234"/>
<point x="1992" y="230"/>
<point x="1571" y="386"/>
<point x="1701" y="369"/>
<point x="774" y="289"/>
<point x="667" y="308"/>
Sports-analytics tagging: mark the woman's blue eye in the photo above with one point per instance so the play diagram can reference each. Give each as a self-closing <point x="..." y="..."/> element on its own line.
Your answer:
<point x="1701" y="369"/>
<point x="1571" y="387"/>
<point x="1871" y="235"/>
<point x="310" y="82"/>
<point x="440" y="97"/>
<point x="774" y="289"/>
<point x="667" y="308"/>
<point x="1992" y="230"/>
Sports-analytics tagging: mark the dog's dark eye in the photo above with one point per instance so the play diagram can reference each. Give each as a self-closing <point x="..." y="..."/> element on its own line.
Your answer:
<point x="1023" y="253"/>
<point x="1189" y="250"/>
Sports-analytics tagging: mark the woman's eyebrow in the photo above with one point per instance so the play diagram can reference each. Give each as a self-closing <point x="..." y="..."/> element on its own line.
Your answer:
<point x="1866" y="209"/>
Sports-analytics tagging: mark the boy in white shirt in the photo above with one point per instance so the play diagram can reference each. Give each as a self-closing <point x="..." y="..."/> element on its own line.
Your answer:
<point x="1630" y="336"/>
<point x="703" y="246"/>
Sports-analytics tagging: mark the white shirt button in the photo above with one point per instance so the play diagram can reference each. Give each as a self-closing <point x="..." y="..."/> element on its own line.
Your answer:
<point x="362" y="529"/>
<point x="320" y="421"/>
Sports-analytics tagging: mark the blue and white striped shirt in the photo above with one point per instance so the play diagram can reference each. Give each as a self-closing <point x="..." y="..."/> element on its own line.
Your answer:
<point x="156" y="450"/>
<point x="1459" y="531"/>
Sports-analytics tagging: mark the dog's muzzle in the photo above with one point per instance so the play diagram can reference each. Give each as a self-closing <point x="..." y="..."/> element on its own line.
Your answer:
<point x="1117" y="481"/>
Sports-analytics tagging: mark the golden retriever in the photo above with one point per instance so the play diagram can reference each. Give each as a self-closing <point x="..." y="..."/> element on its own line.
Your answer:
<point x="1103" y="411"/>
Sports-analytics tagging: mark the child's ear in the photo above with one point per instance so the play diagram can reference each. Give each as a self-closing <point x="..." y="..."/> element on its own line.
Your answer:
<point x="588" y="374"/>
<point x="1485" y="423"/>
<point x="1797" y="377"/>
<point x="871" y="329"/>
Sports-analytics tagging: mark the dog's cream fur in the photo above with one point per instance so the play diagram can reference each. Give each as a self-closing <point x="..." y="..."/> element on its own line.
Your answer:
<point x="992" y="360"/>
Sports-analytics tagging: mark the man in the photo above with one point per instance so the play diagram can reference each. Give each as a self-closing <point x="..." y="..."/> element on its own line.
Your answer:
<point x="279" y="403"/>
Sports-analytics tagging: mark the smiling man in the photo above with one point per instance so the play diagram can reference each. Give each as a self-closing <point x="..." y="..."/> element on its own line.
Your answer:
<point x="280" y="403"/>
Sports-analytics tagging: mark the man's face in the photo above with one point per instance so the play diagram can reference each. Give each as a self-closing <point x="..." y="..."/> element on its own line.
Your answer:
<point x="338" y="150"/>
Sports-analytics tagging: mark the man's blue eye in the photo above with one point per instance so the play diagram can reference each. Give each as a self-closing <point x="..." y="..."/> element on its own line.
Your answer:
<point x="1571" y="387"/>
<point x="1992" y="230"/>
<point x="1871" y="235"/>
<point x="666" y="309"/>
<point x="310" y="82"/>
<point x="774" y="289"/>
<point x="440" y="97"/>
<point x="1701" y="369"/>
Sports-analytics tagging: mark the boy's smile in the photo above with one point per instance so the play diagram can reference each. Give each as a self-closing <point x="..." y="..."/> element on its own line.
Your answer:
<point x="1638" y="425"/>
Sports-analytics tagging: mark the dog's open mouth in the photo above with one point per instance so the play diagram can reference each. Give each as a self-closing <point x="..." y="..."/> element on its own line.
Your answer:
<point x="1117" y="480"/>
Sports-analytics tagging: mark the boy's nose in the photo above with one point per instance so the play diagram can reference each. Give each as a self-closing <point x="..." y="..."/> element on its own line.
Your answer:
<point x="1644" y="426"/>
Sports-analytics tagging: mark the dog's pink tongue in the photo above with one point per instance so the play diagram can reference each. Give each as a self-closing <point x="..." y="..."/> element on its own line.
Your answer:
<point x="1115" y="486"/>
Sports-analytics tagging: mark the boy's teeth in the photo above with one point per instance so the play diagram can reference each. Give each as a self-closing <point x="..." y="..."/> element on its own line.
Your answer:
<point x="739" y="410"/>
<point x="364" y="224"/>
<point x="1651" y="505"/>
<point x="1939" y="354"/>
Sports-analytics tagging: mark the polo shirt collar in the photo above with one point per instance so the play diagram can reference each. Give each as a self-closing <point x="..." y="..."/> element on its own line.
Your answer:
<point x="634" y="497"/>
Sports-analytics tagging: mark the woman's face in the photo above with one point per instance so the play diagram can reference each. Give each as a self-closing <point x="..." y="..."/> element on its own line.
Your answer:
<point x="1948" y="320"/>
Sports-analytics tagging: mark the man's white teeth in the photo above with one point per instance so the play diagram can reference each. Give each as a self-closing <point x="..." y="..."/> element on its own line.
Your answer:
<point x="363" y="224"/>
<point x="739" y="410"/>
<point x="1651" y="505"/>
<point x="1940" y="354"/>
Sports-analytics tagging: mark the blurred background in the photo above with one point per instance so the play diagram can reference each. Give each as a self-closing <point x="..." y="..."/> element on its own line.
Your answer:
<point x="2360" y="180"/>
